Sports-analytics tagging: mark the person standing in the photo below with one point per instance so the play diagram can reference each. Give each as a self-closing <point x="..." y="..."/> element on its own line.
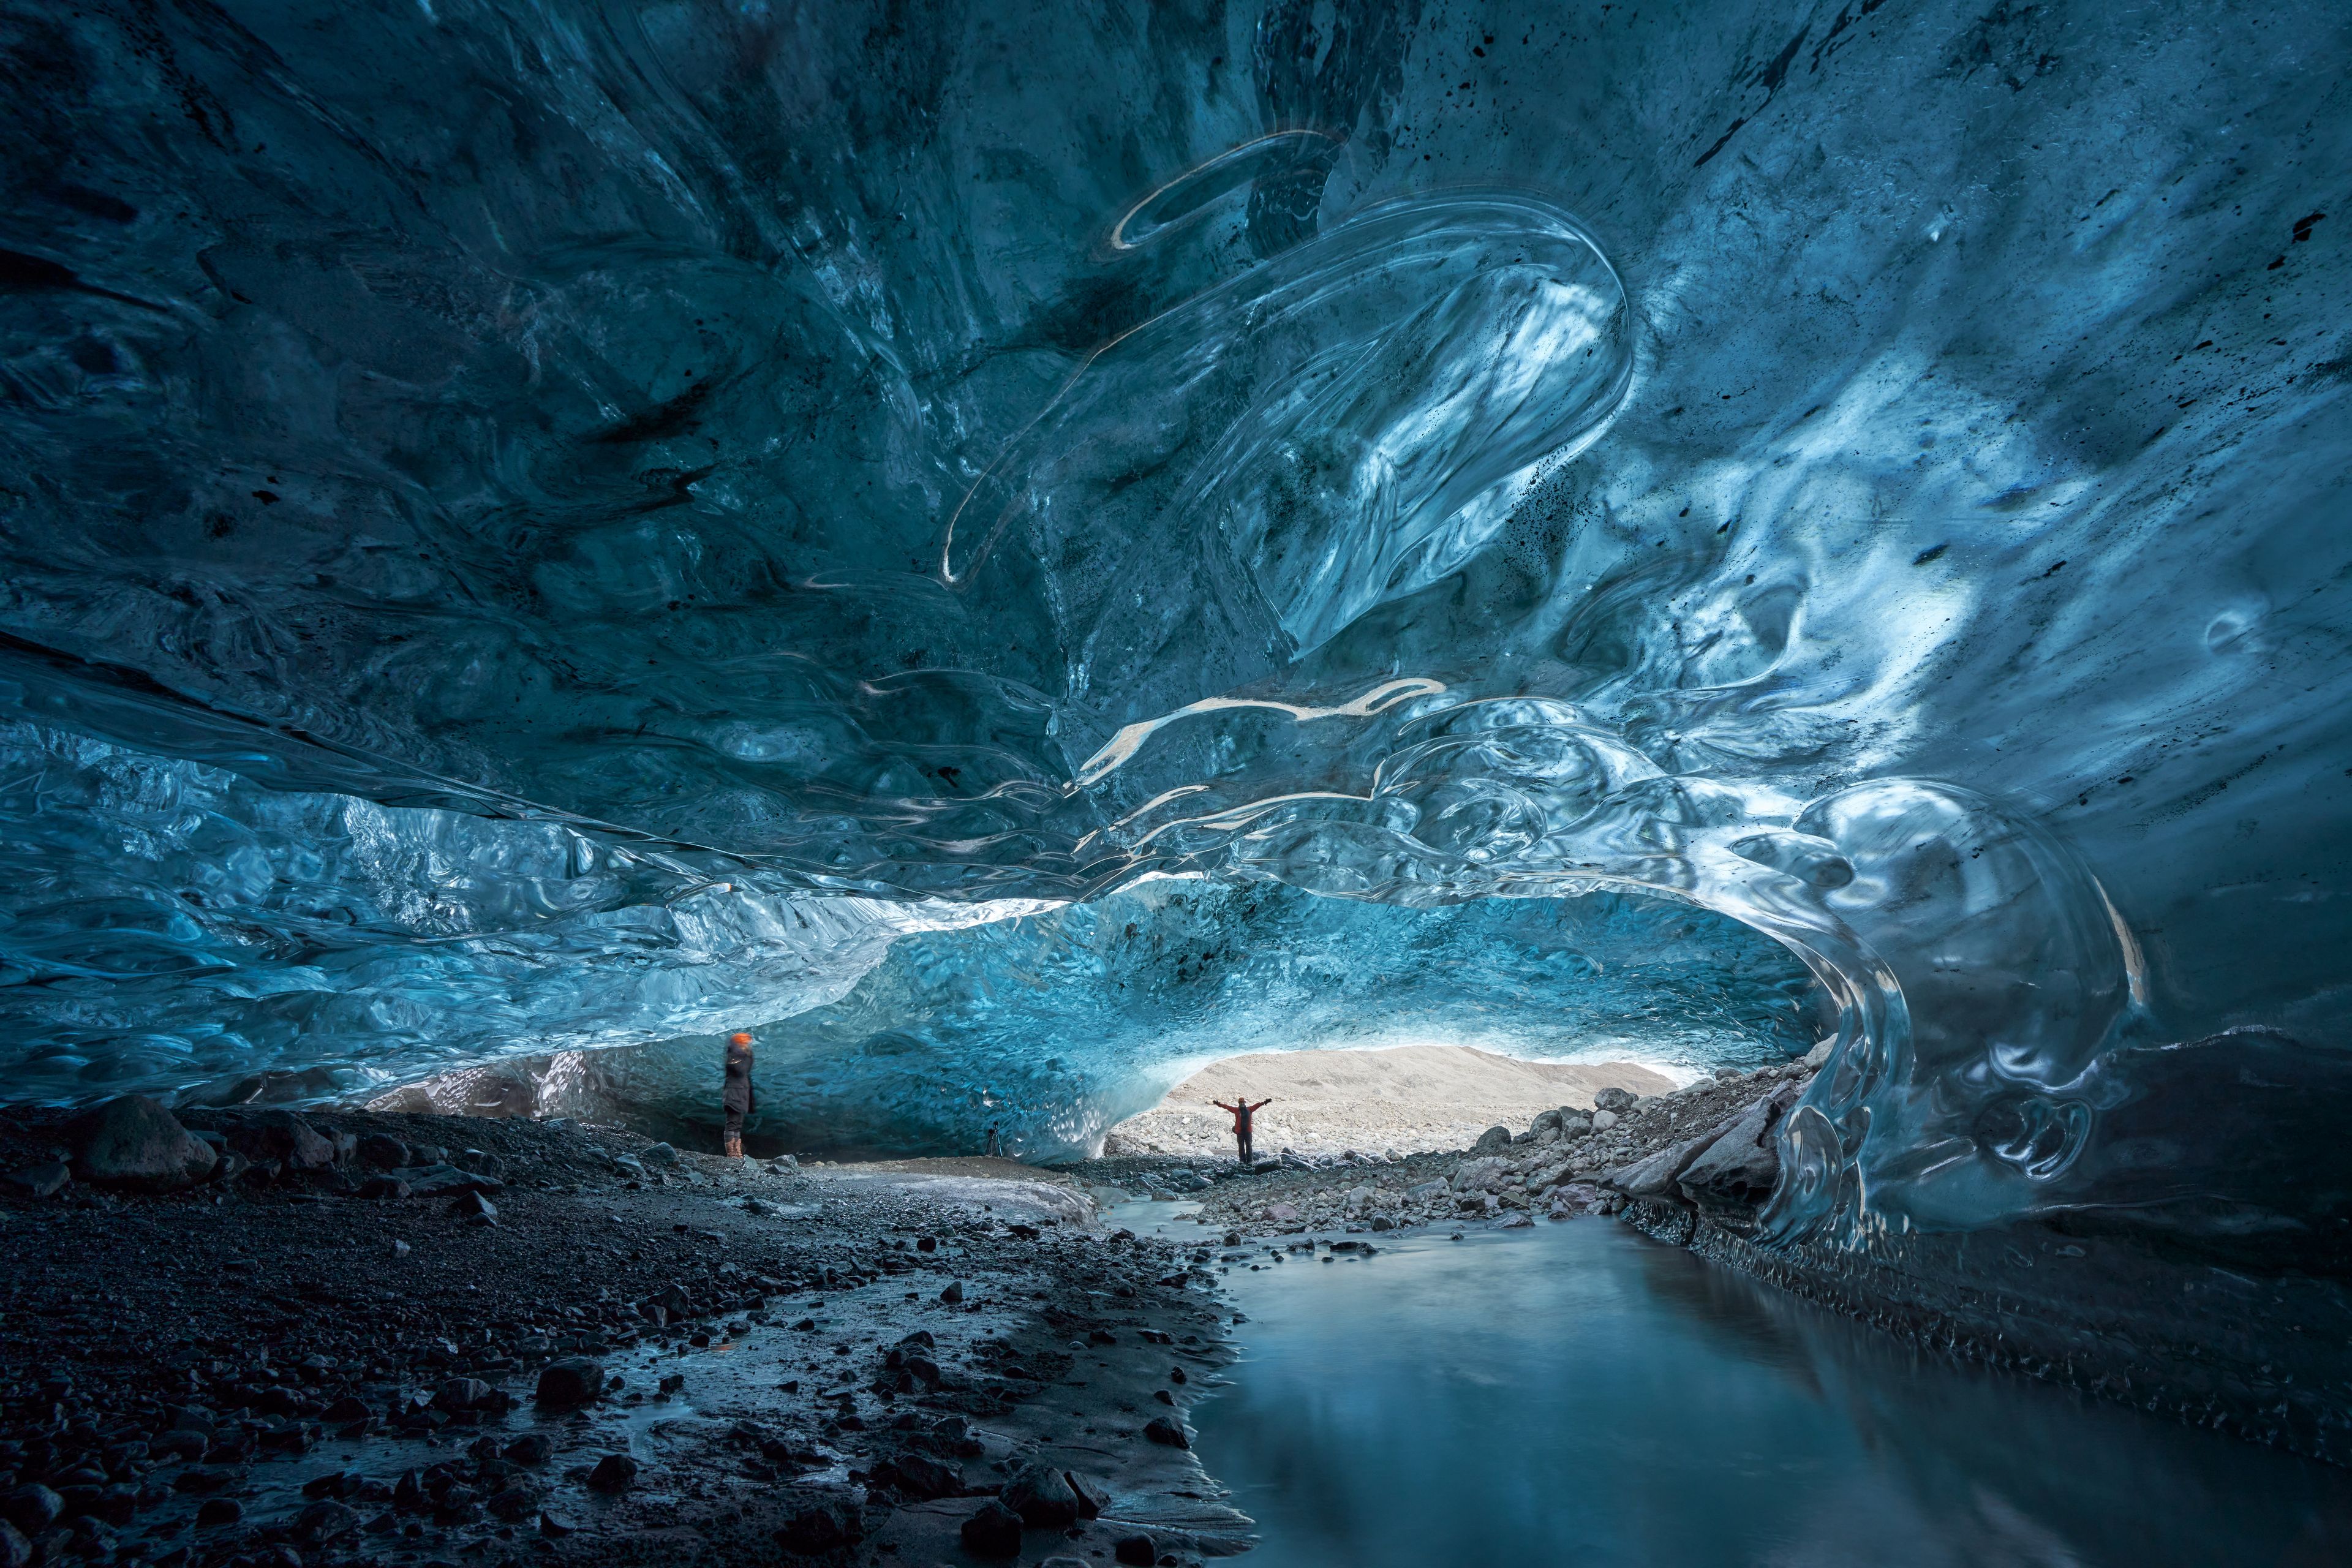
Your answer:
<point x="736" y="1098"/>
<point x="1244" y="1114"/>
<point x="994" y="1148"/>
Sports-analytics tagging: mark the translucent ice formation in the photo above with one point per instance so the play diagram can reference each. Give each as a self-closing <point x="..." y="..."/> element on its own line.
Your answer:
<point x="1057" y="1025"/>
<point x="532" y="528"/>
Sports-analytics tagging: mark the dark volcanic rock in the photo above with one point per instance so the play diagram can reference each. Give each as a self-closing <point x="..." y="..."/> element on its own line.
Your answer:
<point x="1654" y="1175"/>
<point x="463" y="1393"/>
<point x="530" y="1448"/>
<point x="1737" y="1170"/>
<point x="920" y="1476"/>
<point x="994" y="1532"/>
<point x="39" y="1180"/>
<point x="826" y="1526"/>
<point x="132" y="1141"/>
<point x="1139" y="1550"/>
<point x="31" y="1509"/>
<point x="446" y="1181"/>
<point x="613" y="1473"/>
<point x="324" y="1521"/>
<point x="280" y="1136"/>
<point x="573" y="1380"/>
<point x="1042" y="1498"/>
<point x="382" y="1151"/>
<point x="1094" y="1499"/>
<point x="1161" y="1430"/>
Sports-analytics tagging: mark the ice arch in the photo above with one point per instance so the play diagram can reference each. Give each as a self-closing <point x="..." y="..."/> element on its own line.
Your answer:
<point x="1054" y="1025"/>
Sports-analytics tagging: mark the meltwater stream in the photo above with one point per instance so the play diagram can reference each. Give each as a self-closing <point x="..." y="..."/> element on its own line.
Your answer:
<point x="1581" y="1394"/>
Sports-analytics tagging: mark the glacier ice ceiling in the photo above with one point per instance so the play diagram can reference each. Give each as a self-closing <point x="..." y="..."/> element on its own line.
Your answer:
<point x="538" y="527"/>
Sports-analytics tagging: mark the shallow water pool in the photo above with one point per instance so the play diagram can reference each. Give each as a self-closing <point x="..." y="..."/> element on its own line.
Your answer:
<point x="1579" y="1393"/>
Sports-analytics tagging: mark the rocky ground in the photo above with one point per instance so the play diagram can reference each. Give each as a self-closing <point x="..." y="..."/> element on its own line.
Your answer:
<point x="1706" y="1144"/>
<point x="407" y="1340"/>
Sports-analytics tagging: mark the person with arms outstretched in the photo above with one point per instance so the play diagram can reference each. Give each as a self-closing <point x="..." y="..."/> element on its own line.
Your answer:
<point x="1243" y="1111"/>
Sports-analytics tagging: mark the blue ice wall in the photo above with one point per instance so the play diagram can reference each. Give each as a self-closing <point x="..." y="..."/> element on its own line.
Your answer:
<point x="1056" y="1027"/>
<point x="1870" y="469"/>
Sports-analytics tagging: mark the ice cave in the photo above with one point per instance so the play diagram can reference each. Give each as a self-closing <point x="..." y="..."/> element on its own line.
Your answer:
<point x="684" y="683"/>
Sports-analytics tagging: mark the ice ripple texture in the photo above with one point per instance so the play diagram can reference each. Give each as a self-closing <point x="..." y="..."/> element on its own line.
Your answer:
<point x="544" y="527"/>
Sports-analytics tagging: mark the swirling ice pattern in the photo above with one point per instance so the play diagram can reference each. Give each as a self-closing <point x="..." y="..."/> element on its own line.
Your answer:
<point x="1975" y="963"/>
<point x="1341" y="426"/>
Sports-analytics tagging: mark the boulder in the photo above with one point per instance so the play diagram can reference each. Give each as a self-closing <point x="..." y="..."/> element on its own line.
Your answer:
<point x="39" y="1180"/>
<point x="32" y="1508"/>
<point x="530" y="1448"/>
<point x="382" y="1151"/>
<point x="132" y="1141"/>
<point x="1492" y="1140"/>
<point x="444" y="1180"/>
<point x="823" y="1527"/>
<point x="1737" y="1169"/>
<point x="658" y="1154"/>
<point x="471" y="1205"/>
<point x="920" y="1476"/>
<point x="1094" y="1499"/>
<point x="282" y="1136"/>
<point x="572" y="1380"/>
<point x="1602" y="1120"/>
<point x="1138" y="1550"/>
<point x="613" y="1473"/>
<point x="1166" y="1433"/>
<point x="1655" y="1176"/>
<point x="462" y="1394"/>
<point x="1613" y="1099"/>
<point x="324" y="1522"/>
<point x="1480" y="1176"/>
<point x="1042" y="1496"/>
<point x="994" y="1532"/>
<point x="1819" y="1056"/>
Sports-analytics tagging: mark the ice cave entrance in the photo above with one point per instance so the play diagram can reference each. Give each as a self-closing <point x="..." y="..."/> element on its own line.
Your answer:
<point x="1407" y="1097"/>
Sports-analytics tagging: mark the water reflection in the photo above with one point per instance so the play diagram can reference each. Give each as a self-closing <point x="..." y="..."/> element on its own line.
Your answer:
<point x="1582" y="1395"/>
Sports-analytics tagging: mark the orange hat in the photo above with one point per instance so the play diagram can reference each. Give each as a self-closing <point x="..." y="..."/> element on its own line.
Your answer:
<point x="738" y="1038"/>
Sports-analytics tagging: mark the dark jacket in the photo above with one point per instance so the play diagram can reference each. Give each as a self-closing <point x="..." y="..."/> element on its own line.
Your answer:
<point x="738" y="1093"/>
